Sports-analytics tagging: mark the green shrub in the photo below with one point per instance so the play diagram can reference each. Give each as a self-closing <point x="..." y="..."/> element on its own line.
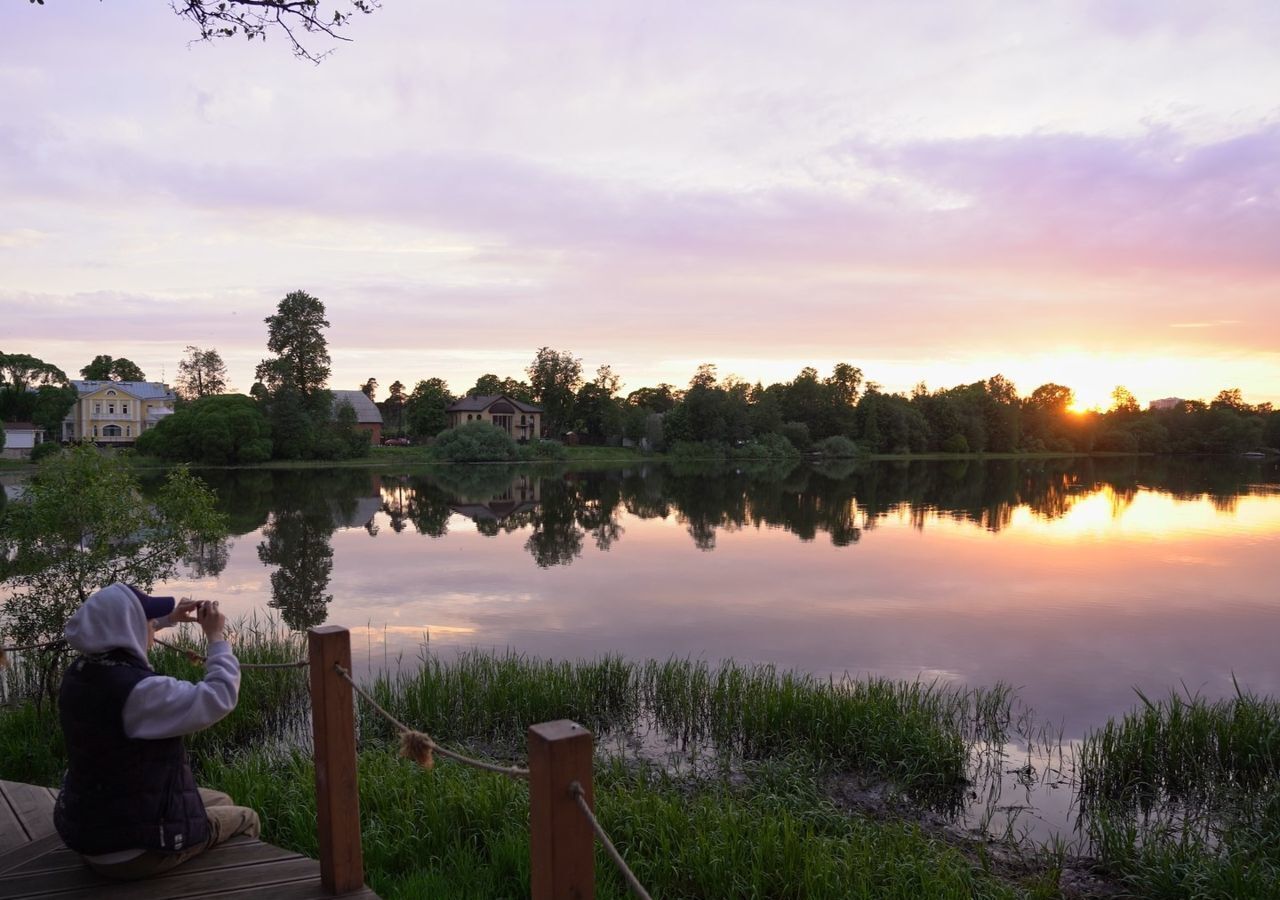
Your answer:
<point x="48" y="448"/>
<point x="837" y="447"/>
<point x="957" y="443"/>
<point x="767" y="446"/>
<point x="226" y="429"/>
<point x="798" y="434"/>
<point x="477" y="442"/>
<point x="544" y="449"/>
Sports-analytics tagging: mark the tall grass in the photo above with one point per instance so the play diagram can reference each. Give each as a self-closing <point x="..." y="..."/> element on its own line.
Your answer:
<point x="456" y="832"/>
<point x="917" y="734"/>
<point x="1181" y="797"/>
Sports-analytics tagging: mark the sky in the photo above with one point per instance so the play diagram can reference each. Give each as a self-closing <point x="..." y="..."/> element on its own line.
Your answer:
<point x="1079" y="192"/>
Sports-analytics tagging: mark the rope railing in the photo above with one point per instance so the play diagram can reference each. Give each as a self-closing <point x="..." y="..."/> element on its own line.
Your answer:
<point x="602" y="836"/>
<point x="420" y="747"/>
<point x="195" y="657"/>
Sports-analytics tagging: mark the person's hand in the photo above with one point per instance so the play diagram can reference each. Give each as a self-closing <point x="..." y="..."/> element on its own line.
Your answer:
<point x="211" y="619"/>
<point x="185" y="611"/>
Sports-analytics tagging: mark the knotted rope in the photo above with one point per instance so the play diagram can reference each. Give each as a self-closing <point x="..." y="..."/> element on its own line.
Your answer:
<point x="419" y="747"/>
<point x="201" y="659"/>
<point x="602" y="836"/>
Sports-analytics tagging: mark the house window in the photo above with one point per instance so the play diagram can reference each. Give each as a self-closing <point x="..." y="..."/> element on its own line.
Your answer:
<point x="97" y="407"/>
<point x="111" y="431"/>
<point x="128" y="431"/>
<point x="111" y="393"/>
<point x="95" y="430"/>
<point x="468" y="417"/>
<point x="111" y="407"/>
<point x="124" y="408"/>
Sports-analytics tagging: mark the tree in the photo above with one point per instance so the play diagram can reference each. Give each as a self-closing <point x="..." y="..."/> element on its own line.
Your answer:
<point x="201" y="373"/>
<point x="19" y="370"/>
<point x="369" y="387"/>
<point x="425" y="409"/>
<point x="1123" y="401"/>
<point x="393" y="406"/>
<point x="104" y="368"/>
<point x="607" y="381"/>
<point x="226" y="429"/>
<point x="254" y="18"/>
<point x="45" y="406"/>
<point x="301" y="363"/>
<point x="83" y="523"/>
<point x="555" y="378"/>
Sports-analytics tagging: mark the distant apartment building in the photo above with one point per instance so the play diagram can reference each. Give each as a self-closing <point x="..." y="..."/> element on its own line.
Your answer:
<point x="1166" y="403"/>
<point x="116" y="412"/>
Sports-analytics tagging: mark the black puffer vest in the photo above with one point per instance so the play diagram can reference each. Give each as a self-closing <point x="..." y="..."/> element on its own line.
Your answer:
<point x="120" y="793"/>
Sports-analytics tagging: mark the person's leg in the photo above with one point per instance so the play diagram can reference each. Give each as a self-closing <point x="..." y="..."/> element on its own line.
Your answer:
<point x="225" y="822"/>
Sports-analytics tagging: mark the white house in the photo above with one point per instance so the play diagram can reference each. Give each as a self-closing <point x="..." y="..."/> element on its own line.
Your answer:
<point x="20" y="438"/>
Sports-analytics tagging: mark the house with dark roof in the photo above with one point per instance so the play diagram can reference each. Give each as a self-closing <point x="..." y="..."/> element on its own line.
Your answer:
<point x="523" y="421"/>
<point x="368" y="416"/>
<point x="116" y="412"/>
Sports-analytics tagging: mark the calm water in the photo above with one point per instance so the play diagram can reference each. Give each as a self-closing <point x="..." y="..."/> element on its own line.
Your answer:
<point x="1075" y="580"/>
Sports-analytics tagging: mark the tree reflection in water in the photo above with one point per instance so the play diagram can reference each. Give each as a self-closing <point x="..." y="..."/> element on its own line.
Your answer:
<point x="559" y="509"/>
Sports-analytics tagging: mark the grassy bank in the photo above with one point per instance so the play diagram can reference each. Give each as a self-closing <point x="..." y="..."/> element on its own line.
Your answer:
<point x="1181" y="797"/>
<point x="713" y="780"/>
<point x="744" y="815"/>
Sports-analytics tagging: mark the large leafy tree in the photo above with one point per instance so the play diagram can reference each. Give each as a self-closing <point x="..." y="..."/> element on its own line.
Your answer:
<point x="301" y="361"/>
<point x="20" y="370"/>
<point x="424" y="411"/>
<point x="83" y="523"/>
<point x="106" y="368"/>
<point x="46" y="405"/>
<point x="201" y="373"/>
<point x="229" y="429"/>
<point x="555" y="377"/>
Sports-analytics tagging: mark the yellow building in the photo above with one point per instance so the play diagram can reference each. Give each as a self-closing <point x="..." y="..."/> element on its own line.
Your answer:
<point x="116" y="412"/>
<point x="523" y="421"/>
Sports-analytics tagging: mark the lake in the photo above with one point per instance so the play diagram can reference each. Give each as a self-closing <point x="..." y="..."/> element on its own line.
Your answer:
<point x="1075" y="580"/>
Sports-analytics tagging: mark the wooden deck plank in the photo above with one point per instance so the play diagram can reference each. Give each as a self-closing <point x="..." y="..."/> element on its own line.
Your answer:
<point x="266" y="879"/>
<point x="28" y="853"/>
<point x="35" y="864"/>
<point x="33" y="806"/>
<point x="12" y="834"/>
<point x="236" y="852"/>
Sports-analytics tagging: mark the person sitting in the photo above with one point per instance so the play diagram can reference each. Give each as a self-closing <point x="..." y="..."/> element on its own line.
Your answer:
<point x="129" y="804"/>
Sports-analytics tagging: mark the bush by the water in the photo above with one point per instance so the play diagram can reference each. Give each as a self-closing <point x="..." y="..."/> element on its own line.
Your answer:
<point x="228" y="429"/>
<point x="766" y="446"/>
<point x="837" y="447"/>
<point x="45" y="450"/>
<point x="477" y="442"/>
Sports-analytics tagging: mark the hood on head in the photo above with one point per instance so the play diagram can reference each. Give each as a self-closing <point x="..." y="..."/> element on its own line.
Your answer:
<point x="111" y="619"/>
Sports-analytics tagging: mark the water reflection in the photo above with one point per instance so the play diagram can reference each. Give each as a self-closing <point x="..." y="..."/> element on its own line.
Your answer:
<point x="559" y="511"/>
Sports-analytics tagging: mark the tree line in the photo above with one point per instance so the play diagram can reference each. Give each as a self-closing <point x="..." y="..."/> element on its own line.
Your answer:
<point x="812" y="411"/>
<point x="290" y="413"/>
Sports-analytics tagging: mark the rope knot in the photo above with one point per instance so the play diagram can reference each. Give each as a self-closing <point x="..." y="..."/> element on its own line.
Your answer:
<point x="417" y="746"/>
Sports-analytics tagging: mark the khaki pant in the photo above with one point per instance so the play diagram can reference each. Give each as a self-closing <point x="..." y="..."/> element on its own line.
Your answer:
<point x="225" y="822"/>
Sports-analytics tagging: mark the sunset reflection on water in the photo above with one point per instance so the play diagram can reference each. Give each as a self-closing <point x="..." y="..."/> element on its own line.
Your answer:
<point x="1072" y="581"/>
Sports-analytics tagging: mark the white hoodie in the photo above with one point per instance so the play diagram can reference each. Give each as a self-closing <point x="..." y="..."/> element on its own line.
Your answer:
<point x="159" y="706"/>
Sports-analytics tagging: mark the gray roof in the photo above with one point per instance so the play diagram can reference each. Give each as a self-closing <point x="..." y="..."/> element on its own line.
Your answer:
<point x="140" y="390"/>
<point x="480" y="404"/>
<point x="367" y="412"/>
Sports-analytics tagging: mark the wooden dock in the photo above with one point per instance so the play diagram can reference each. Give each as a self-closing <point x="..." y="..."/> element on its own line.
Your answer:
<point x="34" y="863"/>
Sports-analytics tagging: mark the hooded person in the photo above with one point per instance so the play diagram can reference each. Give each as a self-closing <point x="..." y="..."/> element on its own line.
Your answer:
<point x="129" y="804"/>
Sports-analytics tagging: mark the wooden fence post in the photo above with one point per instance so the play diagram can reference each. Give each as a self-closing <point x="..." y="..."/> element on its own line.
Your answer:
<point x="561" y="842"/>
<point x="337" y="790"/>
